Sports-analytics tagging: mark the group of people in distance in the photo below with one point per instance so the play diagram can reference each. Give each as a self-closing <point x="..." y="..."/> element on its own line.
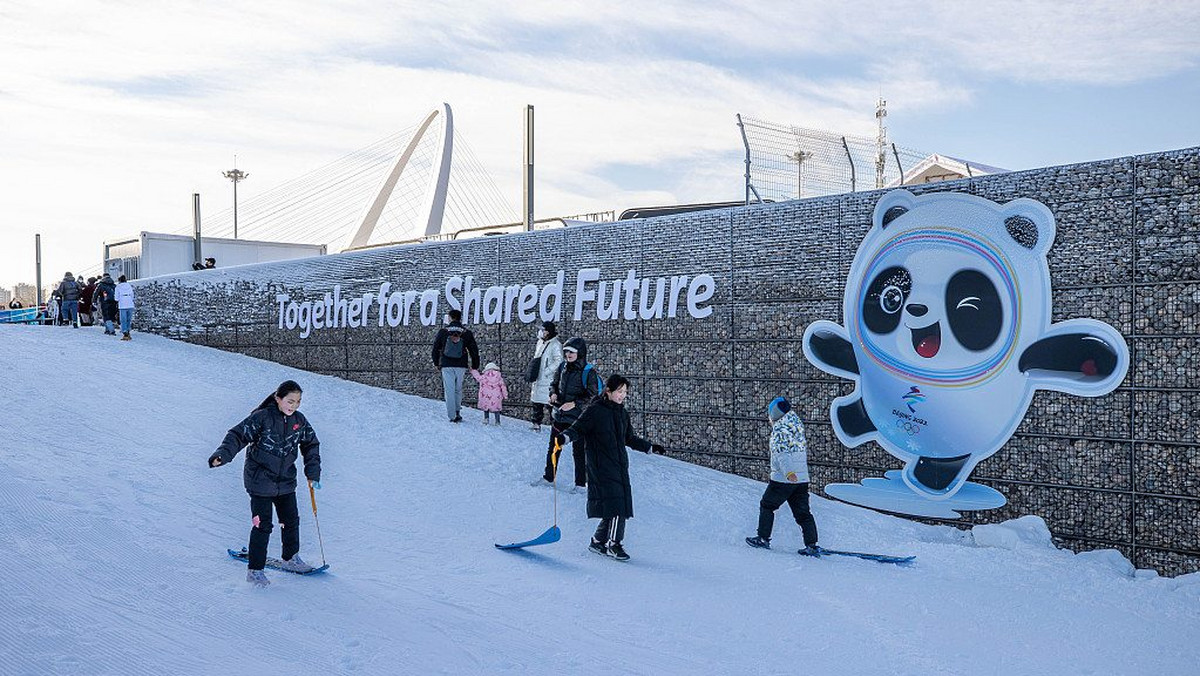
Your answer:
<point x="77" y="303"/>
<point x="587" y="413"/>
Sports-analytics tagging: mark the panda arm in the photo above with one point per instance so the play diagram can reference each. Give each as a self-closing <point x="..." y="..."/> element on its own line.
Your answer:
<point x="832" y="350"/>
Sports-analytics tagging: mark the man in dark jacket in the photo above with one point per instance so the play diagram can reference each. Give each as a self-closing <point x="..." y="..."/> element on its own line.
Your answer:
<point x="605" y="427"/>
<point x="70" y="291"/>
<point x="454" y="349"/>
<point x="106" y="296"/>
<point x="569" y="393"/>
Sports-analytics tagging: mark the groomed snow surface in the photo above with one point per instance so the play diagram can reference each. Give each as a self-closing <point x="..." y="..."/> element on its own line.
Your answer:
<point x="114" y="532"/>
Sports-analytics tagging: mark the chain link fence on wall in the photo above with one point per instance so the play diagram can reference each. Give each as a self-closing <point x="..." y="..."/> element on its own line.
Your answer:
<point x="786" y="162"/>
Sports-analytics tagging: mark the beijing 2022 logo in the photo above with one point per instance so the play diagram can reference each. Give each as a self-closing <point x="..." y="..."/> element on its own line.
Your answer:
<point x="947" y="336"/>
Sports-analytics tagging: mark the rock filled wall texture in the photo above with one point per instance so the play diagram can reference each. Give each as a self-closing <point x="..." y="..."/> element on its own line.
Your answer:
<point x="737" y="289"/>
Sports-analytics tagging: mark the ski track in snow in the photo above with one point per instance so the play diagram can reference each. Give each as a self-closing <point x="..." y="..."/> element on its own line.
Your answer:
<point x="116" y="533"/>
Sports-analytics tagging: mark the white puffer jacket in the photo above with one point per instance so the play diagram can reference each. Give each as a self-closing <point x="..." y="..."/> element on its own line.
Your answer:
<point x="789" y="450"/>
<point x="551" y="354"/>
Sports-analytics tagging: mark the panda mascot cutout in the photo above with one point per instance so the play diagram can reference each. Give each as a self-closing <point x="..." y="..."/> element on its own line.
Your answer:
<point x="947" y="335"/>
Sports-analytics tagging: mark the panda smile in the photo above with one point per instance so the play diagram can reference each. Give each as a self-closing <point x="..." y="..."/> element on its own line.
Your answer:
<point x="927" y="340"/>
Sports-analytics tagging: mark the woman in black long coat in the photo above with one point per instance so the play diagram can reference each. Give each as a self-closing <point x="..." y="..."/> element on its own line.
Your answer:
<point x="605" y="426"/>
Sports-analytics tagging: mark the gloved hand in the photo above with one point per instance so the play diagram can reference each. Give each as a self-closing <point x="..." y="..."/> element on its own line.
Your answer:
<point x="657" y="449"/>
<point x="316" y="484"/>
<point x="214" y="460"/>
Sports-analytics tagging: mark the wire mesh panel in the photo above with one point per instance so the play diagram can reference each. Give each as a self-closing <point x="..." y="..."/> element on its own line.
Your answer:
<point x="790" y="162"/>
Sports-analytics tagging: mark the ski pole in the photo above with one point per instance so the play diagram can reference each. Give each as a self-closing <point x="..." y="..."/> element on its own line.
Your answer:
<point x="554" y="484"/>
<point x="312" y="495"/>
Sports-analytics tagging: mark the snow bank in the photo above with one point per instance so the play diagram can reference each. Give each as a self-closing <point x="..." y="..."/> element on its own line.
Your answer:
<point x="114" y="533"/>
<point x="1026" y="531"/>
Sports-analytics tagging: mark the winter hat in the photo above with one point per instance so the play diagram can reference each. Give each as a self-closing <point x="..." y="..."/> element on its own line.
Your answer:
<point x="491" y="366"/>
<point x="778" y="408"/>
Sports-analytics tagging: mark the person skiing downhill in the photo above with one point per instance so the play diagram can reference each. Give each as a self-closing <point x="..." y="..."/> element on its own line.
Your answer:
<point x="605" y="426"/>
<point x="789" y="478"/>
<point x="274" y="432"/>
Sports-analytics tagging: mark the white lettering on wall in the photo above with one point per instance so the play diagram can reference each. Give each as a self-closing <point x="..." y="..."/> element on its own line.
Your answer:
<point x="624" y="297"/>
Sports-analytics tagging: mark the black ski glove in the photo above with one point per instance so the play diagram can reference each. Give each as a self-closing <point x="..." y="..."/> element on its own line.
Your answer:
<point x="657" y="449"/>
<point x="217" y="458"/>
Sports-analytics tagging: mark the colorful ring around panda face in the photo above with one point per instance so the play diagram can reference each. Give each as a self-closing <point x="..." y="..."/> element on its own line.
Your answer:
<point x="995" y="358"/>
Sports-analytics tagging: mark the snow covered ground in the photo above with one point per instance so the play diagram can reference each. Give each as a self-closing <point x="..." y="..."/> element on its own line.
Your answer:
<point x="114" y="533"/>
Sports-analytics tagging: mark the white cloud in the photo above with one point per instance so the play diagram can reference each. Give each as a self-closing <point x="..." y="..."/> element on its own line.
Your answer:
<point x="115" y="112"/>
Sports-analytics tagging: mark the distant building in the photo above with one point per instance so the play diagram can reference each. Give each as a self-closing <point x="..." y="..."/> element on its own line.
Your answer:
<point x="5" y="297"/>
<point x="936" y="168"/>
<point x="151" y="254"/>
<point x="26" y="293"/>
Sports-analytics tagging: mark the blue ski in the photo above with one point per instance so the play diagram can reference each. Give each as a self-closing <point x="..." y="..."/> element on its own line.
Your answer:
<point x="274" y="563"/>
<point x="881" y="558"/>
<point x="552" y="534"/>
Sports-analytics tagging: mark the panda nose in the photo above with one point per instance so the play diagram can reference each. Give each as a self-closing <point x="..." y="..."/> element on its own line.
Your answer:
<point x="916" y="309"/>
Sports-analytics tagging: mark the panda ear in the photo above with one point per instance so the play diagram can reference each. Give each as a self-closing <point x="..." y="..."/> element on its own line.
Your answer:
<point x="892" y="206"/>
<point x="1030" y="224"/>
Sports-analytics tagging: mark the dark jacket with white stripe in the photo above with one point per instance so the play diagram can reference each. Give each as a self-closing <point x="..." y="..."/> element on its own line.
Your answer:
<point x="605" y="426"/>
<point x="274" y="441"/>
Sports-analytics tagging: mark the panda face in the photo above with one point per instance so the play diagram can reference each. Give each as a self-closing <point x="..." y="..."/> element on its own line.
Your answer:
<point x="933" y="307"/>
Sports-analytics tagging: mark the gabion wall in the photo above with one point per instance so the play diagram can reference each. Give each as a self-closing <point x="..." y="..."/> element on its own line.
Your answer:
<point x="1119" y="471"/>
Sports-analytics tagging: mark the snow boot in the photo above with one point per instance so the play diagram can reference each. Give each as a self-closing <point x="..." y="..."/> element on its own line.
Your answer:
<point x="760" y="542"/>
<point x="257" y="578"/>
<point x="616" y="551"/>
<point x="810" y="550"/>
<point x="126" y="337"/>
<point x="457" y="419"/>
<point x="297" y="565"/>
<point x="578" y="489"/>
<point x="541" y="481"/>
<point x="598" y="547"/>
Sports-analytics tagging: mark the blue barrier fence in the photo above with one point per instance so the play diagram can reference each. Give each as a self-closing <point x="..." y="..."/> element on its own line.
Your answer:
<point x="28" y="315"/>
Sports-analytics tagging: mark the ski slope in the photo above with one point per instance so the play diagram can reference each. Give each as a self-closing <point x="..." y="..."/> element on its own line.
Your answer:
<point x="114" y="532"/>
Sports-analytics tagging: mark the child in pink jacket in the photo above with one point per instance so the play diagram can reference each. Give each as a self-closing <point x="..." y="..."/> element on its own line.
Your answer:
<point x="492" y="391"/>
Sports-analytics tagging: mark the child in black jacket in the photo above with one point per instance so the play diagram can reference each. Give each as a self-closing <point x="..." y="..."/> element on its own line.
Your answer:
<point x="275" y="434"/>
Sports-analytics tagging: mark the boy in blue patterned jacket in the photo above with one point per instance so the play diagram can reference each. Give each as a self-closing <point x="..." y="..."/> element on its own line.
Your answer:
<point x="789" y="478"/>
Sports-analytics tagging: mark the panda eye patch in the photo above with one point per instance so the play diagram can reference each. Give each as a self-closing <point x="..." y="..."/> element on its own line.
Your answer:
<point x="884" y="297"/>
<point x="974" y="311"/>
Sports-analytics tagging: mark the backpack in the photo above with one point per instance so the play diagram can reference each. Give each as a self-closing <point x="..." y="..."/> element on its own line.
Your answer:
<point x="454" y="346"/>
<point x="599" y="380"/>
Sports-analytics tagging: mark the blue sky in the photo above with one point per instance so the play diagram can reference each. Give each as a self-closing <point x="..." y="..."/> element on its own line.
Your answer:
<point x="116" y="112"/>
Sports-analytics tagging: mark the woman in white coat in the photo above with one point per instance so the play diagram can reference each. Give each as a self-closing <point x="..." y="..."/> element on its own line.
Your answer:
<point x="549" y="351"/>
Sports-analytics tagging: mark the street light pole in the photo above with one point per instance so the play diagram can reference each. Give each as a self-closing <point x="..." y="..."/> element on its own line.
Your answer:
<point x="236" y="175"/>
<point x="799" y="157"/>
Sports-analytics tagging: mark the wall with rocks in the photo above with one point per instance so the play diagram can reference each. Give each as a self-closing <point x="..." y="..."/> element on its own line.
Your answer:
<point x="1119" y="471"/>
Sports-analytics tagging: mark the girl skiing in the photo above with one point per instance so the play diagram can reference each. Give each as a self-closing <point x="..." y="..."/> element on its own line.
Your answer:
<point x="275" y="431"/>
<point x="606" y="427"/>
<point x="492" y="390"/>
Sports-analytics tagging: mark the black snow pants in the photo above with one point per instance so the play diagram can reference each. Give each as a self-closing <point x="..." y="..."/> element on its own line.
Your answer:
<point x="260" y="534"/>
<point x="796" y="495"/>
<point x="578" y="452"/>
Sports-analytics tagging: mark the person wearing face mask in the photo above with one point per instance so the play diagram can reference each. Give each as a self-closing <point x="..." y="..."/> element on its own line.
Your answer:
<point x="548" y="355"/>
<point x="575" y="383"/>
<point x="275" y="435"/>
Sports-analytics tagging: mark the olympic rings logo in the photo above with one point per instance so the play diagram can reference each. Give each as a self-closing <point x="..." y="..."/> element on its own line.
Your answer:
<point x="910" y="427"/>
